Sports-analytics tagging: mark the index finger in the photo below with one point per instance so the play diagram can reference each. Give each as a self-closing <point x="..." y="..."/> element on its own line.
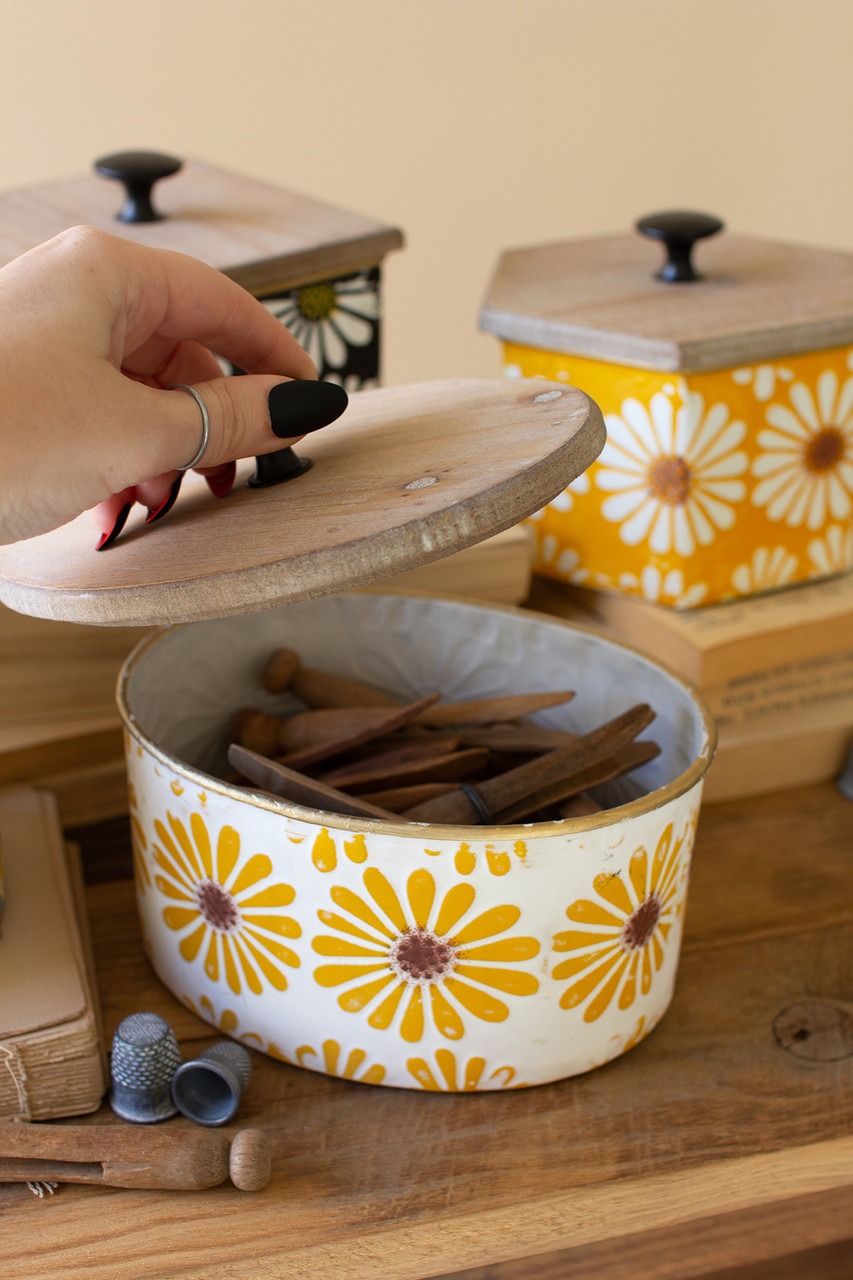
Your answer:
<point x="183" y="299"/>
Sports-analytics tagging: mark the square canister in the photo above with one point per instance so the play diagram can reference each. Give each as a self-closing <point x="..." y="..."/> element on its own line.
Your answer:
<point x="726" y="386"/>
<point x="315" y="266"/>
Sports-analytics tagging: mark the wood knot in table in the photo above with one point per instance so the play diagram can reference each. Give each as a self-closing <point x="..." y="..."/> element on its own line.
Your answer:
<point x="816" y="1030"/>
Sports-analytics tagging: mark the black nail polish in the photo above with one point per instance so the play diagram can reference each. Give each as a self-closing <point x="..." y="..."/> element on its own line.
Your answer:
<point x="107" y="539"/>
<point x="302" y="406"/>
<point x="157" y="513"/>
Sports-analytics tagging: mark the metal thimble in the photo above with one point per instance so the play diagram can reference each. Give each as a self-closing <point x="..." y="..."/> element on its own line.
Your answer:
<point x="209" y="1088"/>
<point x="144" y="1058"/>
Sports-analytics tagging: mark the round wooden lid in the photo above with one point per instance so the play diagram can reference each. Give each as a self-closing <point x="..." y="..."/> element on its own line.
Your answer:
<point x="406" y="476"/>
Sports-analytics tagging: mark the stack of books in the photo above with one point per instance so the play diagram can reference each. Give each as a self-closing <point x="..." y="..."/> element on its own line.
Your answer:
<point x="52" y="1053"/>
<point x="776" y="671"/>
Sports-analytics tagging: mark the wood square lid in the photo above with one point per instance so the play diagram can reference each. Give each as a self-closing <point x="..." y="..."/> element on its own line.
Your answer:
<point x="266" y="238"/>
<point x="623" y="299"/>
<point x="406" y="476"/>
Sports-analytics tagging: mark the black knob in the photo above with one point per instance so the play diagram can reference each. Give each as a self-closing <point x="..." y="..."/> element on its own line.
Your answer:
<point x="275" y="468"/>
<point x="679" y="229"/>
<point x="138" y="170"/>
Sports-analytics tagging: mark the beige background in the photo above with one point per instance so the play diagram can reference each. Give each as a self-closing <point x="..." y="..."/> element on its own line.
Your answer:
<point x="474" y="125"/>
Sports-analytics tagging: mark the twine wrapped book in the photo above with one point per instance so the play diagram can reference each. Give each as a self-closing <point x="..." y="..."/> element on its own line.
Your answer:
<point x="52" y="1061"/>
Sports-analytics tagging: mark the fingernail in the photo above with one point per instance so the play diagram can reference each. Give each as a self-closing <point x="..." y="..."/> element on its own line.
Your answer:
<point x="222" y="483"/>
<point x="304" y="405"/>
<point x="156" y="513"/>
<point x="107" y="539"/>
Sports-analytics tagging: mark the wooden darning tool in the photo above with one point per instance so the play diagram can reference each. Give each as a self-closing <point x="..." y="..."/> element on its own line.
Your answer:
<point x="175" y="1159"/>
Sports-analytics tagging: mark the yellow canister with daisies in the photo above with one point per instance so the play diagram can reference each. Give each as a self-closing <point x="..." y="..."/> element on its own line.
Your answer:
<point x="724" y="370"/>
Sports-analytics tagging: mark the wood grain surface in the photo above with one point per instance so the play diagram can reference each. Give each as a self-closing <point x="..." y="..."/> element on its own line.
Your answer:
<point x="750" y="1244"/>
<point x="405" y="476"/>
<point x="712" y="1117"/>
<point x="600" y="298"/>
<point x="264" y="237"/>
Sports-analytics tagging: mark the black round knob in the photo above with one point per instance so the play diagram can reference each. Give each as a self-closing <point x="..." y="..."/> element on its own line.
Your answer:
<point x="138" y="171"/>
<point x="679" y="230"/>
<point x="275" y="468"/>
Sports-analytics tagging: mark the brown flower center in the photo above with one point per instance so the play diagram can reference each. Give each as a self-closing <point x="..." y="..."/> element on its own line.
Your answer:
<point x="670" y="480"/>
<point x="640" y="925"/>
<point x="422" y="956"/>
<point x="824" y="450"/>
<point x="216" y="905"/>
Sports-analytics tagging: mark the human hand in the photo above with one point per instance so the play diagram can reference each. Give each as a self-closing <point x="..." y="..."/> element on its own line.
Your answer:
<point x="93" y="329"/>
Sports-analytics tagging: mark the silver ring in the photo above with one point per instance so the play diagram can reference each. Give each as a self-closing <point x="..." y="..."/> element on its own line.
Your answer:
<point x="205" y="424"/>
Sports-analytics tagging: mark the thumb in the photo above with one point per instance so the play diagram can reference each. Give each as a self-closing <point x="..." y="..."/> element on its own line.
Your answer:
<point x="241" y="417"/>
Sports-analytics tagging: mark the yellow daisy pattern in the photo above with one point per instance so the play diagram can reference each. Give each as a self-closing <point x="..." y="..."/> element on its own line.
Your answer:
<point x="673" y="476"/>
<point x="334" y="1063"/>
<point x="640" y="1031"/>
<point x="445" y="1075"/>
<point x="427" y="956"/>
<point x="219" y="907"/>
<point x="833" y="553"/>
<point x="701" y="472"/>
<point x="766" y="571"/>
<point x="660" y="588"/>
<point x="623" y="932"/>
<point x="228" y="1023"/>
<point x="805" y="469"/>
<point x="763" y="378"/>
<point x="225" y="1020"/>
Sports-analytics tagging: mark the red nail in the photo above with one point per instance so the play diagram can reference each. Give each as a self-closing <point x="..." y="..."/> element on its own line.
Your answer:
<point x="107" y="539"/>
<point x="221" y="483"/>
<point x="156" y="513"/>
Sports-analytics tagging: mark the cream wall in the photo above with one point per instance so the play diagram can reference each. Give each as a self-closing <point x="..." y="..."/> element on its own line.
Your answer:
<point x="474" y="125"/>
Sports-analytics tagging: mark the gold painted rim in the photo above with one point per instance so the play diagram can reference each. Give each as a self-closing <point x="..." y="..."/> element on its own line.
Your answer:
<point x="484" y="834"/>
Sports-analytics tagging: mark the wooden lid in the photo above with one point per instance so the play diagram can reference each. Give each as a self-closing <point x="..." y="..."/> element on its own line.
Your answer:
<point x="265" y="238"/>
<point x="405" y="476"/>
<point x="602" y="297"/>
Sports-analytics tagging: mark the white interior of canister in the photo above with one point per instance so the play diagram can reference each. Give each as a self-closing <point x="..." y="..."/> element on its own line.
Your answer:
<point x="182" y="689"/>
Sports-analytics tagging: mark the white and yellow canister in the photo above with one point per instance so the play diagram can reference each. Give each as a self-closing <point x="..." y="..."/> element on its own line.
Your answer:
<point x="728" y="400"/>
<point x="408" y="954"/>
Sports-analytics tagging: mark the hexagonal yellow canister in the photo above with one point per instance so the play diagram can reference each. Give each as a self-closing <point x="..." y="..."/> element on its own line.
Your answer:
<point x="728" y="401"/>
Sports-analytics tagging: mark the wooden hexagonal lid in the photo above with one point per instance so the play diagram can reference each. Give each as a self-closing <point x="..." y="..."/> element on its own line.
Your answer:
<point x="406" y="476"/>
<point x="621" y="299"/>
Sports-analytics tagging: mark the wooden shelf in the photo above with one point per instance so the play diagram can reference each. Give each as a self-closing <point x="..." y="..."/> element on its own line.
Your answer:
<point x="709" y="1131"/>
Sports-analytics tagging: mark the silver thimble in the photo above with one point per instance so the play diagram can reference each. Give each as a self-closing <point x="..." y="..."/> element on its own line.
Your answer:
<point x="209" y="1088"/>
<point x="144" y="1058"/>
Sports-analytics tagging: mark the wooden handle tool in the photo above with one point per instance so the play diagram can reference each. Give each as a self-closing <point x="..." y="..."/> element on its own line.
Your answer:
<point x="287" y="784"/>
<point x="451" y="765"/>
<point x="323" y="689"/>
<point x="174" y="1159"/>
<point x="546" y="778"/>
<point x="336" y="730"/>
<point x="511" y="706"/>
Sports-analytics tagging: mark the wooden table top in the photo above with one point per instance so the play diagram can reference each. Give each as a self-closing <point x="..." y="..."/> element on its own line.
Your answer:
<point x="740" y="1102"/>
